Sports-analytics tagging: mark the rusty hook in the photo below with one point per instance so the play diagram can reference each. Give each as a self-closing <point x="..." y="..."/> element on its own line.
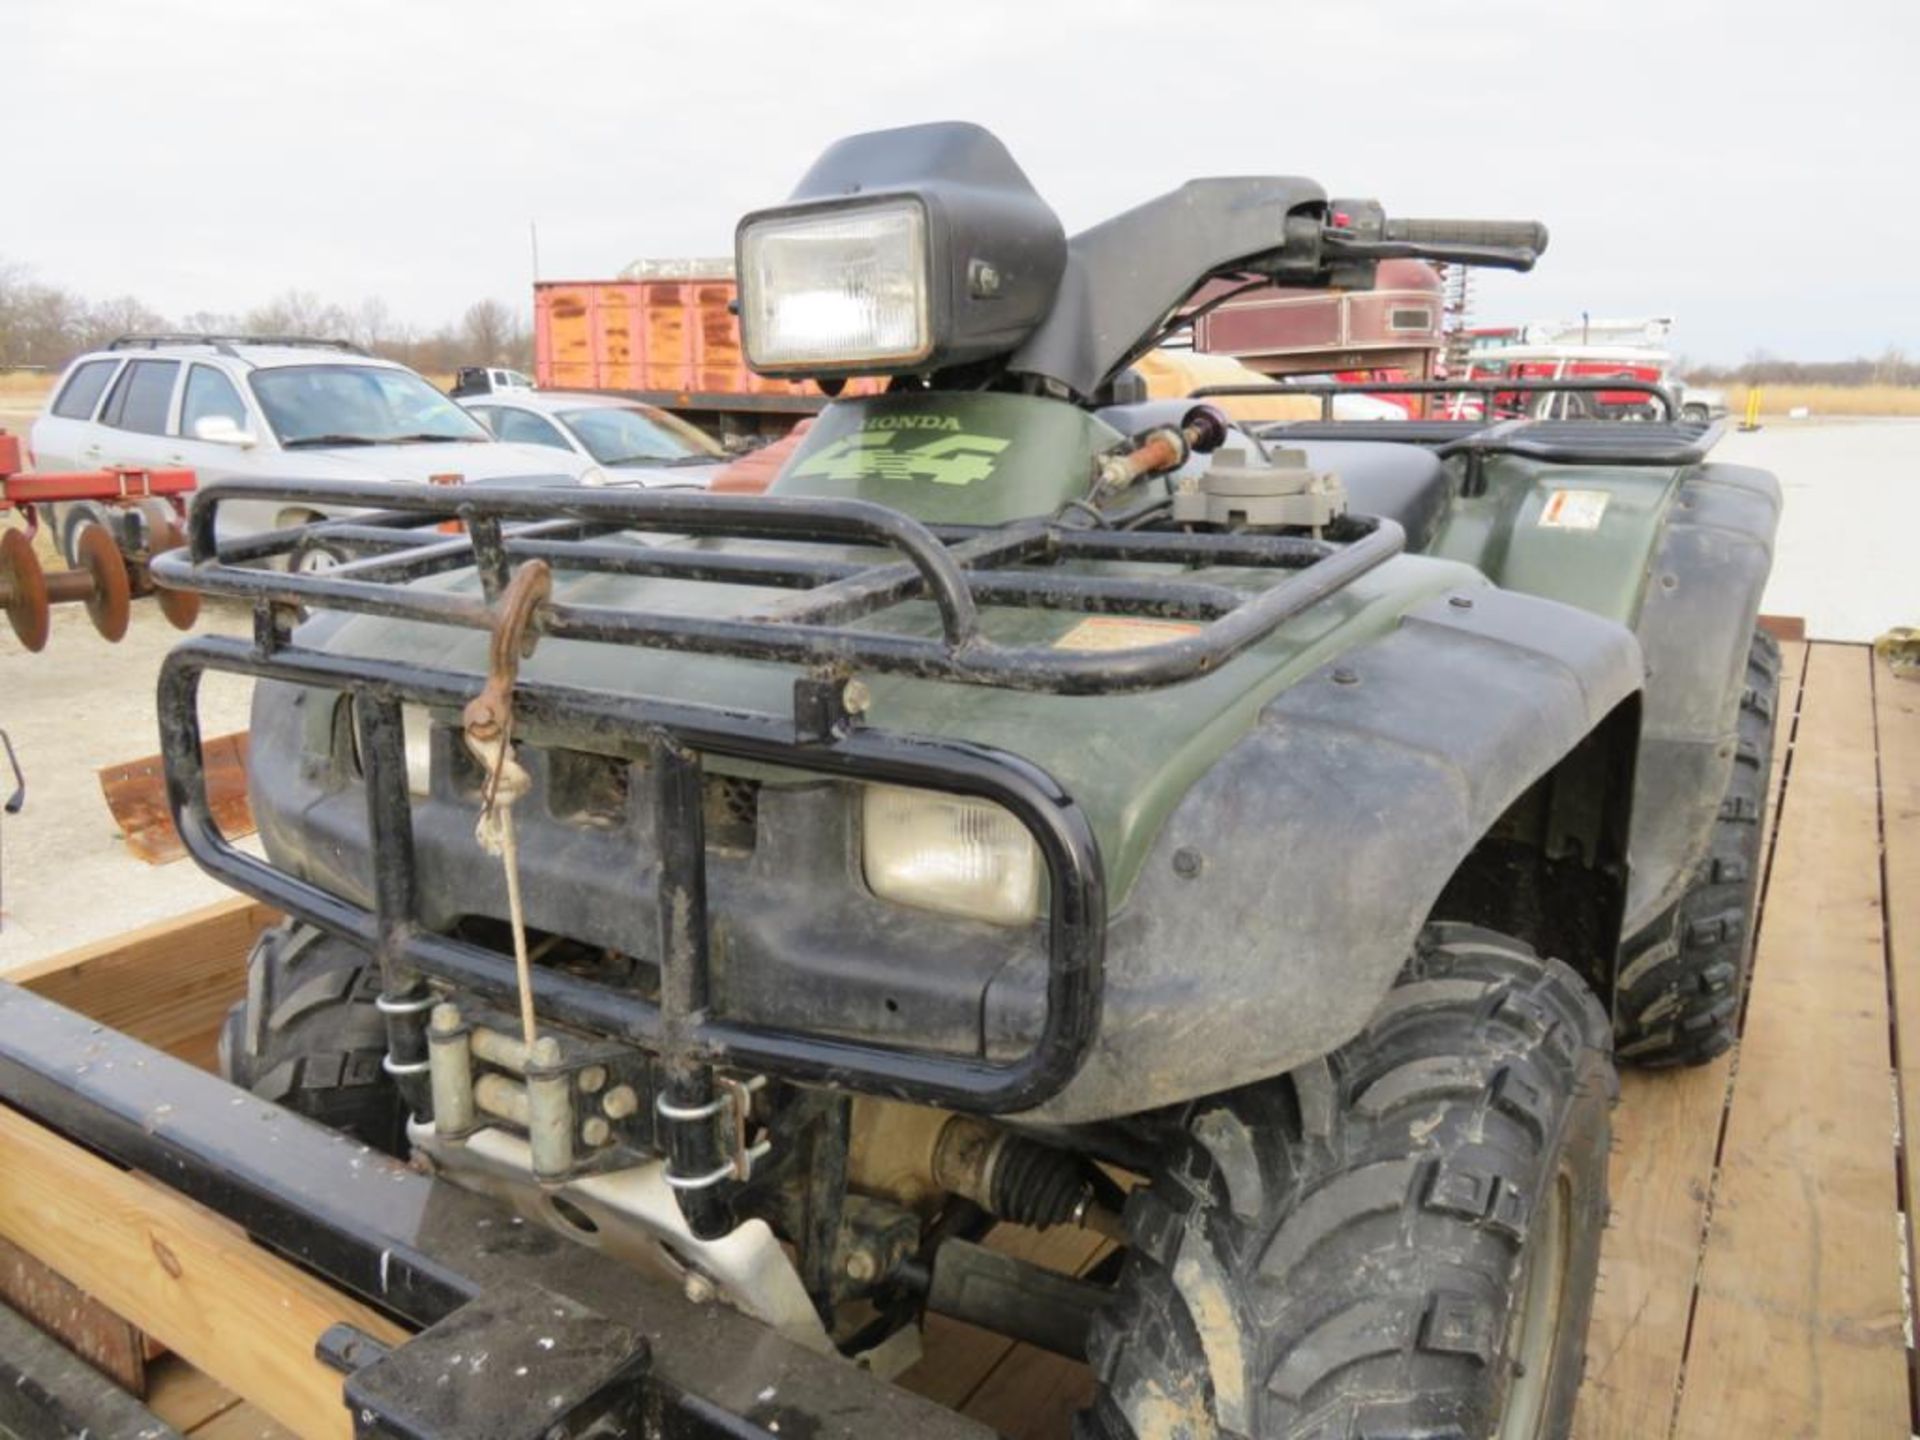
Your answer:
<point x="487" y="720"/>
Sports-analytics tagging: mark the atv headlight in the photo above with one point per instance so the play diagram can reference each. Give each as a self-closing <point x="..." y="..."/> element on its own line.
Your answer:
<point x="950" y="853"/>
<point x="416" y="728"/>
<point x="839" y="289"/>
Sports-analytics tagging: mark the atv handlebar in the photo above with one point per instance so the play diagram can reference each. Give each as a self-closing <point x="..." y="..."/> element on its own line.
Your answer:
<point x="1361" y="231"/>
<point x="1477" y="234"/>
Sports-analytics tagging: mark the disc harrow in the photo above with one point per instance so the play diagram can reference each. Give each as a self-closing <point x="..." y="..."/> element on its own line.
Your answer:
<point x="113" y="569"/>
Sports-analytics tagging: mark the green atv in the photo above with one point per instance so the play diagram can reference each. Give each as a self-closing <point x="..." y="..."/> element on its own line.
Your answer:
<point x="1046" y="806"/>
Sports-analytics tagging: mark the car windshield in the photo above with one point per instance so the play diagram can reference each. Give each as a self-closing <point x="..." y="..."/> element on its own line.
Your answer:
<point x="315" y="405"/>
<point x="637" y="435"/>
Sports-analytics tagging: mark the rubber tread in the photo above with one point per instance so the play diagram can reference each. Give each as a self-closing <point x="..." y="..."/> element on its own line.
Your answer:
<point x="309" y="1036"/>
<point x="1683" y="977"/>
<point x="1400" y="1177"/>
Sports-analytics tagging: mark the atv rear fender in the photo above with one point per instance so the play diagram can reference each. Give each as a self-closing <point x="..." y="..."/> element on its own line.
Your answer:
<point x="1695" y="623"/>
<point x="1680" y="556"/>
<point x="1476" y="759"/>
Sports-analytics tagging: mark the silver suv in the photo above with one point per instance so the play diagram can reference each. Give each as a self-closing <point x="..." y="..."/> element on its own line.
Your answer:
<point x="269" y="407"/>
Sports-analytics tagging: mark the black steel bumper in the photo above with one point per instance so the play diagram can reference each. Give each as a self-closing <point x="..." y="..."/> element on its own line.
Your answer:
<point x="670" y="734"/>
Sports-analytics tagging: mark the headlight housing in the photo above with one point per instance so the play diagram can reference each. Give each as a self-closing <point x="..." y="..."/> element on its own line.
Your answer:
<point x="843" y="288"/>
<point x="902" y="252"/>
<point x="949" y="853"/>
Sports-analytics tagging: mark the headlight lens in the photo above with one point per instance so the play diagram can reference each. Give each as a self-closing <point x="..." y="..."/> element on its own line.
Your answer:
<point x="417" y="725"/>
<point x="950" y="853"/>
<point x="416" y="728"/>
<point x="838" y="290"/>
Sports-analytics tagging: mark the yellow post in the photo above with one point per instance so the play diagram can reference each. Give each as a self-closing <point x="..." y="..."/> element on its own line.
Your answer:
<point x="1753" y="409"/>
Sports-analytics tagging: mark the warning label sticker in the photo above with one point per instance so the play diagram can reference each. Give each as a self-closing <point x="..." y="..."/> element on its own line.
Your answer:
<point x="1574" y="510"/>
<point x="1122" y="632"/>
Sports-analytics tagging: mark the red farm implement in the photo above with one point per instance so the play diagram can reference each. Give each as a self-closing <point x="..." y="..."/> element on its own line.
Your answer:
<point x="113" y="571"/>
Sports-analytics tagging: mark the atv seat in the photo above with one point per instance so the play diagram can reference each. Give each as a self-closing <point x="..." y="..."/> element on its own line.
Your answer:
<point x="1407" y="483"/>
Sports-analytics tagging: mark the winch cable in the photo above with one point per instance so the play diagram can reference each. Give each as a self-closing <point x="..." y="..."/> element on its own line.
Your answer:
<point x="487" y="728"/>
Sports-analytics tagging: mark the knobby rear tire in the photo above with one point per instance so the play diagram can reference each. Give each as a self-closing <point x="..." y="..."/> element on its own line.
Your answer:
<point x="1682" y="979"/>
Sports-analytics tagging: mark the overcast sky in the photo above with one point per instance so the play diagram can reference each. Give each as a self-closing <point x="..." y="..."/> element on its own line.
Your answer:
<point x="1748" y="168"/>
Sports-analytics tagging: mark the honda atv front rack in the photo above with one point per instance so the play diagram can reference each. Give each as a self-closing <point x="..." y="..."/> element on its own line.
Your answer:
<point x="956" y="568"/>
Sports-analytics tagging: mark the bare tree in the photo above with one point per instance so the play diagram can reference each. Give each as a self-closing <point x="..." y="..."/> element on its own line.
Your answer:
<point x="121" y="315"/>
<point x="212" y="322"/>
<point x="298" y="312"/>
<point x="487" y="331"/>
<point x="372" y="326"/>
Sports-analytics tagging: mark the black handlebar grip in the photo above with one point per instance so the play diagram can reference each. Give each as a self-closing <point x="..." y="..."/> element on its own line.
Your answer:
<point x="1488" y="234"/>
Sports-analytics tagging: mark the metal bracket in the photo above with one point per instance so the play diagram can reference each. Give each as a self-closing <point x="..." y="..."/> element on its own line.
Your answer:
<point x="735" y="1101"/>
<point x="272" y="627"/>
<point x="517" y="1363"/>
<point x="827" y="705"/>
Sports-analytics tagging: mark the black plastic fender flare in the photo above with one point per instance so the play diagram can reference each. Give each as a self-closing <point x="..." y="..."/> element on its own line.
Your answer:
<point x="1285" y="891"/>
<point x="1697" y="613"/>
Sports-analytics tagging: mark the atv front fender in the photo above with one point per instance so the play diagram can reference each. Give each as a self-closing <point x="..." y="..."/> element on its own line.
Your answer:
<point x="1284" y="893"/>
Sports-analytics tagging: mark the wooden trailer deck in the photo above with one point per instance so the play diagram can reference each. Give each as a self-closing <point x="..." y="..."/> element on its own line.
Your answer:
<point x="1752" y="1283"/>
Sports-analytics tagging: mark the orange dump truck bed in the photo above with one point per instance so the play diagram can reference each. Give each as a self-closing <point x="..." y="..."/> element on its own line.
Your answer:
<point x="673" y="341"/>
<point x="642" y="335"/>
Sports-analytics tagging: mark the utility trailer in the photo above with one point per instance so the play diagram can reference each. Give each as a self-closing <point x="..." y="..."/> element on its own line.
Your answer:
<point x="128" y="1204"/>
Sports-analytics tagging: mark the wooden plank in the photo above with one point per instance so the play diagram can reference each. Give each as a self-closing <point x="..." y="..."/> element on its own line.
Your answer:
<point x="184" y="1275"/>
<point x="66" y="1312"/>
<point x="243" y="1422"/>
<point x="136" y="793"/>
<point x="169" y="984"/>
<point x="958" y="1357"/>
<point x="1666" y="1133"/>
<point x="1797" y="1330"/>
<point x="1897" y="722"/>
<point x="184" y="1397"/>
<point x="1033" y="1394"/>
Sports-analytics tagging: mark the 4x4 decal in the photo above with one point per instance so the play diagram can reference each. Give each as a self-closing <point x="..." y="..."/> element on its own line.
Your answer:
<point x="876" y="454"/>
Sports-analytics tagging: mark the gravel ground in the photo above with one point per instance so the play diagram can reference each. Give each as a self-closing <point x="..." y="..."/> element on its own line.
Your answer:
<point x="80" y="704"/>
<point x="1846" y="562"/>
